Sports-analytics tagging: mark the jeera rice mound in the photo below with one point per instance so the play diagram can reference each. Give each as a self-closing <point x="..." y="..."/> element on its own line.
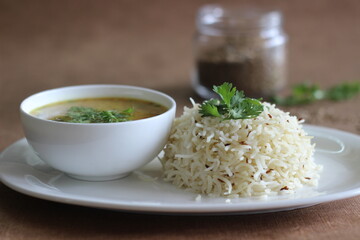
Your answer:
<point x="264" y="155"/>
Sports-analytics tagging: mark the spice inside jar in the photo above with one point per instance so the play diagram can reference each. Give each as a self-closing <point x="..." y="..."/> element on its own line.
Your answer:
<point x="244" y="47"/>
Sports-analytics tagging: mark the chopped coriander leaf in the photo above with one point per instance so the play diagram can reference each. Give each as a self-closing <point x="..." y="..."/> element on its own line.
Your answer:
<point x="247" y="108"/>
<point x="226" y="92"/>
<point x="209" y="110"/>
<point x="232" y="104"/>
<point x="90" y="115"/>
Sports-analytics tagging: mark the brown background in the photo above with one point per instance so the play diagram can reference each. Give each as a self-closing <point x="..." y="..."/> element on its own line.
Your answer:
<point x="48" y="44"/>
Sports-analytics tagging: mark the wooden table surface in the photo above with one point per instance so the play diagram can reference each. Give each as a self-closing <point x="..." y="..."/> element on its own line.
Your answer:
<point x="49" y="44"/>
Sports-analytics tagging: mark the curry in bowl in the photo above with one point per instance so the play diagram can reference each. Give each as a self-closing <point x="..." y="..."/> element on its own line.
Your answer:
<point x="99" y="110"/>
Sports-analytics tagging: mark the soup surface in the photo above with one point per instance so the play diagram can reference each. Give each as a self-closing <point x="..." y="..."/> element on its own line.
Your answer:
<point x="131" y="109"/>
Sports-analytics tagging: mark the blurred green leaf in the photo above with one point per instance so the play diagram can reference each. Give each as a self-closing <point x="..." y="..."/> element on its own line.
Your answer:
<point x="305" y="93"/>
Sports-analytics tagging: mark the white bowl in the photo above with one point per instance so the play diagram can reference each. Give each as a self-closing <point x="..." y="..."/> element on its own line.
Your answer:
<point x="97" y="151"/>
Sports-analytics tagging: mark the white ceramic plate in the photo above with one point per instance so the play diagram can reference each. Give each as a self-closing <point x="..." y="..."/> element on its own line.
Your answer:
<point x="144" y="191"/>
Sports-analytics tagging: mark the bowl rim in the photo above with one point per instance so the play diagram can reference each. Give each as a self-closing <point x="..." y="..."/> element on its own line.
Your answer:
<point x="172" y="102"/>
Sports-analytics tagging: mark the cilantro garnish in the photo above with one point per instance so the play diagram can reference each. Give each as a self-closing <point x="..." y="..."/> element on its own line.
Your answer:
<point x="232" y="104"/>
<point x="91" y="115"/>
<point x="307" y="93"/>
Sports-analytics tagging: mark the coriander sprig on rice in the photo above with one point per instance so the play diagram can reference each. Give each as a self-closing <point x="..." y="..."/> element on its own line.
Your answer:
<point x="232" y="104"/>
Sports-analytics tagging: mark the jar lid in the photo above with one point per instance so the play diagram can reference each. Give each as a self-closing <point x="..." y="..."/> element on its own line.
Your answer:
<point x="217" y="19"/>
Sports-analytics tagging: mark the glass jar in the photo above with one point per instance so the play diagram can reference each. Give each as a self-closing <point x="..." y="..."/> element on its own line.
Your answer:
<point x="245" y="47"/>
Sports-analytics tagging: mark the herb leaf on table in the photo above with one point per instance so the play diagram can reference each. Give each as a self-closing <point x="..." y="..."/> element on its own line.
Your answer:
<point x="305" y="93"/>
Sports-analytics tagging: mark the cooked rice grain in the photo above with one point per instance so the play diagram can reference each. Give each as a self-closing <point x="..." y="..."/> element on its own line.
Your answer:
<point x="251" y="157"/>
